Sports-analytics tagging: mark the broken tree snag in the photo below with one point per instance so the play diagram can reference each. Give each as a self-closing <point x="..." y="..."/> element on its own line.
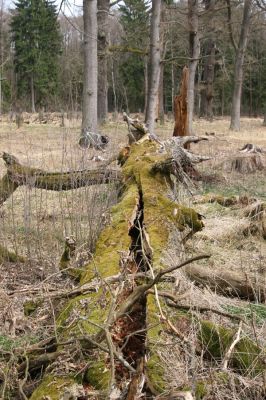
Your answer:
<point x="245" y="163"/>
<point x="18" y="174"/>
<point x="180" y="107"/>
<point x="136" y="129"/>
<point x="110" y="324"/>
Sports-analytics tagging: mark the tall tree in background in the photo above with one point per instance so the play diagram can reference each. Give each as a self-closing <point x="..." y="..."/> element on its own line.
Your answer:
<point x="103" y="10"/>
<point x="209" y="51"/>
<point x="240" y="50"/>
<point x="90" y="92"/>
<point x="194" y="52"/>
<point x="134" y="17"/>
<point x="37" y="44"/>
<point x="155" y="59"/>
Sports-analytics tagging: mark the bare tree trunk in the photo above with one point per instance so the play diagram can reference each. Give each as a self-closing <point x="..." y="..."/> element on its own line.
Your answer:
<point x="146" y="83"/>
<point x="89" y="106"/>
<point x="194" y="52"/>
<point x="209" y="64"/>
<point x="103" y="8"/>
<point x="264" y="120"/>
<point x="114" y="88"/>
<point x="163" y="53"/>
<point x="155" y="58"/>
<point x="33" y="110"/>
<point x="2" y="53"/>
<point x="208" y="77"/>
<point x="238" y="72"/>
<point x="161" y="95"/>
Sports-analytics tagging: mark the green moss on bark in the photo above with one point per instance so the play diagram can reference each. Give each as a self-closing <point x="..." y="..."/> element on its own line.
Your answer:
<point x="160" y="215"/>
<point x="98" y="375"/>
<point x="52" y="387"/>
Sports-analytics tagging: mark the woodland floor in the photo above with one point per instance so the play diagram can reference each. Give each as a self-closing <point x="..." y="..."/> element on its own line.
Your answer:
<point x="34" y="222"/>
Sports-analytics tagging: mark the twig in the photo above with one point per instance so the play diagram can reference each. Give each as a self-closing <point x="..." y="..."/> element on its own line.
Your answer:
<point x="97" y="344"/>
<point x="205" y="309"/>
<point x="141" y="290"/>
<point x="24" y="380"/>
<point x="231" y="348"/>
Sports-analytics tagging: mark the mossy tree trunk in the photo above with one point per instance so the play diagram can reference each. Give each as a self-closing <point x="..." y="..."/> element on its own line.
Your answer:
<point x="113" y="335"/>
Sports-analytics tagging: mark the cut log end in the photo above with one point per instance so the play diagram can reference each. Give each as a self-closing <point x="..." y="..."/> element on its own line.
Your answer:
<point x="244" y="164"/>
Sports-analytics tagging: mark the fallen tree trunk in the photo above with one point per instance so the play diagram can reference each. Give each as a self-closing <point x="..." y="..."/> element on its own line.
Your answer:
<point x="18" y="175"/>
<point x="115" y="331"/>
<point x="230" y="283"/>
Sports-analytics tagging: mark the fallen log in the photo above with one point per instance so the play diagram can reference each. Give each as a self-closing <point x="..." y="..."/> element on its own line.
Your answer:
<point x="118" y="327"/>
<point x="18" y="175"/>
<point x="229" y="283"/>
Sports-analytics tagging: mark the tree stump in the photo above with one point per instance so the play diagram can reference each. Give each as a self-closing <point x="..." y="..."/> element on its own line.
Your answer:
<point x="244" y="163"/>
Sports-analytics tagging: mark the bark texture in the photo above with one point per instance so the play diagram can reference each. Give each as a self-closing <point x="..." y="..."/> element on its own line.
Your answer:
<point x="209" y="50"/>
<point x="194" y="52"/>
<point x="180" y="107"/>
<point x="239" y="63"/>
<point x="18" y="175"/>
<point x="103" y="9"/>
<point x="154" y="66"/>
<point x="89" y="106"/>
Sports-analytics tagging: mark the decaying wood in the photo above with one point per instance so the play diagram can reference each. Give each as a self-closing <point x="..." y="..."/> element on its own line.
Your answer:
<point x="180" y="108"/>
<point x="136" y="129"/>
<point x="114" y="320"/>
<point x="18" y="174"/>
<point x="181" y="163"/>
<point x="230" y="283"/>
<point x="245" y="163"/>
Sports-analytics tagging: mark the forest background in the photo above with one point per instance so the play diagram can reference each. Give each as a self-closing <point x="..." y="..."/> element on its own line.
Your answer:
<point x="123" y="43"/>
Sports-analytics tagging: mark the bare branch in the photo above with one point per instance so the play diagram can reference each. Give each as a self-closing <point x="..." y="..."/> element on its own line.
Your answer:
<point x="231" y="348"/>
<point x="229" y="22"/>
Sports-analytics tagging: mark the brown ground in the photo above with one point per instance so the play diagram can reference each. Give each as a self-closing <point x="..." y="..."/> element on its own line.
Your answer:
<point x="34" y="222"/>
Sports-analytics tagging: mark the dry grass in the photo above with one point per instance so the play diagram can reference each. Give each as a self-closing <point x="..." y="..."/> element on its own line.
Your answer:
<point x="34" y="222"/>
